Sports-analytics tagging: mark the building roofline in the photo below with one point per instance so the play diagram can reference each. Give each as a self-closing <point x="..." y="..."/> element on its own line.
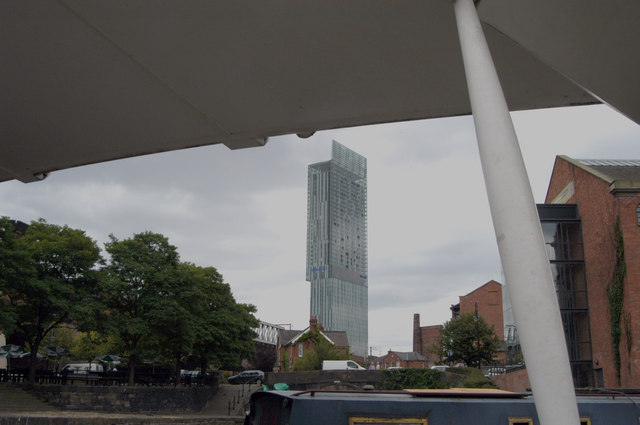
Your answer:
<point x="480" y="287"/>
<point x="616" y="186"/>
<point x="304" y="331"/>
<point x="586" y="168"/>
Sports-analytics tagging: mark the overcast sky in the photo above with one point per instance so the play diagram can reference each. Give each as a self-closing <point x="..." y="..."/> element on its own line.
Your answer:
<point x="244" y="212"/>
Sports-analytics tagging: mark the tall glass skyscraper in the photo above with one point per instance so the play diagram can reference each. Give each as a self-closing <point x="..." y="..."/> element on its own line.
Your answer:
<point x="337" y="244"/>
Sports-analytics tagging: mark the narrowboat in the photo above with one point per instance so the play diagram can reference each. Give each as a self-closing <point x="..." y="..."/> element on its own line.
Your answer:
<point x="427" y="407"/>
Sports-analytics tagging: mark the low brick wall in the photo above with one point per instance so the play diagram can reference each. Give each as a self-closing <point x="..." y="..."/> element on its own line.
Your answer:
<point x="325" y="379"/>
<point x="516" y="380"/>
<point x="124" y="399"/>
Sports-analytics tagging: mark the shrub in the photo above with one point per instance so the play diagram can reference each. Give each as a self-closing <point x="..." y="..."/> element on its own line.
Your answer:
<point x="399" y="379"/>
<point x="475" y="379"/>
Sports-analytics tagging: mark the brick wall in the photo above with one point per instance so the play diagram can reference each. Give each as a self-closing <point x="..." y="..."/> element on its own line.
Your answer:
<point x="516" y="380"/>
<point x="598" y="209"/>
<point x="630" y="353"/>
<point x="424" y="337"/>
<point x="489" y="299"/>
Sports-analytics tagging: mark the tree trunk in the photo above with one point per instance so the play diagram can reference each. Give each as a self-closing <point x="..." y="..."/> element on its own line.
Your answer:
<point x="33" y="361"/>
<point x="203" y="370"/>
<point x="132" y="369"/>
<point x="177" y="369"/>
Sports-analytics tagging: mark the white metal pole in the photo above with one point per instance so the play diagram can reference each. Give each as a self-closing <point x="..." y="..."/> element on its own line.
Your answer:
<point x="518" y="233"/>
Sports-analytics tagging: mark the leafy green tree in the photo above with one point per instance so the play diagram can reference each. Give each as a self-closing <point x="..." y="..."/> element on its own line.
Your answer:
<point x="178" y="316"/>
<point x="136" y="288"/>
<point x="63" y="336"/>
<point x="225" y="332"/>
<point x="468" y="339"/>
<point x="89" y="345"/>
<point x="57" y="284"/>
<point x="15" y="267"/>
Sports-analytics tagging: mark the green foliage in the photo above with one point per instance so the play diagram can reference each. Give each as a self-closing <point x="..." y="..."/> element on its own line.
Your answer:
<point x="285" y="362"/>
<point x="515" y="359"/>
<point x="468" y="339"/>
<point x="400" y="379"/>
<point x="322" y="350"/>
<point x="143" y="303"/>
<point x="57" y="284"/>
<point x="615" y="294"/>
<point x="63" y="336"/>
<point x="89" y="345"/>
<point x="474" y="378"/>
<point x="138" y="286"/>
<point x="15" y="267"/>
<point x="224" y="331"/>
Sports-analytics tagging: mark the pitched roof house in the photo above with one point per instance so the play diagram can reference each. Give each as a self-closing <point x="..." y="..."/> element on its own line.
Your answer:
<point x="293" y="344"/>
<point x="409" y="359"/>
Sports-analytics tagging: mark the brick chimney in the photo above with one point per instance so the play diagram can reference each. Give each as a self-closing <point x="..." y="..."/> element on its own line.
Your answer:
<point x="417" y="335"/>
<point x="313" y="323"/>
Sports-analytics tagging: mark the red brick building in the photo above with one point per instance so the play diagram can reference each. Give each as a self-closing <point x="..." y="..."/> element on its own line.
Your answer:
<point x="599" y="192"/>
<point x="487" y="297"/>
<point x="425" y="337"/>
<point x="292" y="344"/>
<point x="394" y="359"/>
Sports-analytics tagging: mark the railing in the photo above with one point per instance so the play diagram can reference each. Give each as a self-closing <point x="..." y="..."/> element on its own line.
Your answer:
<point x="158" y="378"/>
<point x="238" y="397"/>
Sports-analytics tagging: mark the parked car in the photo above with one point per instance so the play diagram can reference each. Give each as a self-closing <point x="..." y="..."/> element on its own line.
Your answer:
<point x="247" y="377"/>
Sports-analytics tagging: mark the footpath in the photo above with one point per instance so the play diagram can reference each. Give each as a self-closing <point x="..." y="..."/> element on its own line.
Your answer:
<point x="18" y="407"/>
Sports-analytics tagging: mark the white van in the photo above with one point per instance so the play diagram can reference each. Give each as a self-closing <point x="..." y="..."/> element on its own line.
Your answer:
<point x="81" y="368"/>
<point x="341" y="365"/>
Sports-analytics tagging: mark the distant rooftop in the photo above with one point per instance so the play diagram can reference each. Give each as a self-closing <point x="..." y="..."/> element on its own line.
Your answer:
<point x="617" y="170"/>
<point x="619" y="173"/>
<point x="611" y="162"/>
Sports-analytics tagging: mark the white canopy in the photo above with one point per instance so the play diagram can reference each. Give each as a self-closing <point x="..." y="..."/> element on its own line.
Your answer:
<point x="85" y="81"/>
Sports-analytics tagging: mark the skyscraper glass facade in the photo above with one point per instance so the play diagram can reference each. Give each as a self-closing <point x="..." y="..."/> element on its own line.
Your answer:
<point x="337" y="244"/>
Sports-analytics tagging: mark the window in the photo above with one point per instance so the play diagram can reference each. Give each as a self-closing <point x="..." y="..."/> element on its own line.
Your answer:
<point x="300" y="350"/>
<point x="585" y="421"/>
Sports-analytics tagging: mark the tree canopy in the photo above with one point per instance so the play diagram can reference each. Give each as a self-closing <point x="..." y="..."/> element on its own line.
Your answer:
<point x="225" y="332"/>
<point x="48" y="278"/>
<point x="469" y="339"/>
<point x="143" y="303"/>
<point x="137" y="289"/>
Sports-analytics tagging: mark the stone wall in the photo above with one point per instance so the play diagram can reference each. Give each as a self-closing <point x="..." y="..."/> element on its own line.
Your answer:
<point x="122" y="399"/>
